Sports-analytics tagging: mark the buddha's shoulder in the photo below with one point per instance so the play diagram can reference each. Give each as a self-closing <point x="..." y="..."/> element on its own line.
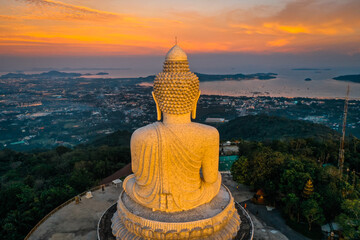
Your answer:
<point x="205" y="129"/>
<point x="150" y="132"/>
<point x="146" y="132"/>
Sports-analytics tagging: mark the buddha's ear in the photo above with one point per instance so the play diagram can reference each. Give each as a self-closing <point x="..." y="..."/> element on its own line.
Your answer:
<point x="193" y="110"/>
<point x="158" y="111"/>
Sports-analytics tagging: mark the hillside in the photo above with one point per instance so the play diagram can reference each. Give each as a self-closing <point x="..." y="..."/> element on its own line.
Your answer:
<point x="263" y="127"/>
<point x="118" y="138"/>
<point x="251" y="127"/>
<point x="34" y="183"/>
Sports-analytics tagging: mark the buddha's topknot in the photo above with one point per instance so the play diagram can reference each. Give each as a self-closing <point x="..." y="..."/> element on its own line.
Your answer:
<point x="176" y="88"/>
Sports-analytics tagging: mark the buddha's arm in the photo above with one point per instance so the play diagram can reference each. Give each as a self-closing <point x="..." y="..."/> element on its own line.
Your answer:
<point x="140" y="154"/>
<point x="134" y="146"/>
<point x="210" y="163"/>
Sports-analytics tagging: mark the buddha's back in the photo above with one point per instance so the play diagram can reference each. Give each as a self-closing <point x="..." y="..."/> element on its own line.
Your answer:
<point x="166" y="161"/>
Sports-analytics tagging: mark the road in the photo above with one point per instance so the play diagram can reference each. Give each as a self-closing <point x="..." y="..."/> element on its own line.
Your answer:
<point x="267" y="224"/>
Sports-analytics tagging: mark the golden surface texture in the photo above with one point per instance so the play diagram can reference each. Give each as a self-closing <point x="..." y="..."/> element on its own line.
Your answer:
<point x="166" y="161"/>
<point x="222" y="225"/>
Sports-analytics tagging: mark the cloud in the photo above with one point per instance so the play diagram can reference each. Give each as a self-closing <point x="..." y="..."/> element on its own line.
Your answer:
<point x="301" y="25"/>
<point x="278" y="42"/>
<point x="8" y="18"/>
<point x="56" y="10"/>
<point x="297" y="26"/>
<point x="74" y="9"/>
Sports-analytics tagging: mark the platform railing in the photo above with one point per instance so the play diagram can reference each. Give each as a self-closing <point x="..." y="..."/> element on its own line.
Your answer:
<point x="59" y="207"/>
<point x="249" y="218"/>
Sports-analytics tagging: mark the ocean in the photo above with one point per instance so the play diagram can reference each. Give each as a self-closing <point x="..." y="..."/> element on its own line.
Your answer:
<point x="289" y="82"/>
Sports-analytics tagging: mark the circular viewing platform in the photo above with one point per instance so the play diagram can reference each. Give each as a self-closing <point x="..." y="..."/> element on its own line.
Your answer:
<point x="77" y="221"/>
<point x="91" y="218"/>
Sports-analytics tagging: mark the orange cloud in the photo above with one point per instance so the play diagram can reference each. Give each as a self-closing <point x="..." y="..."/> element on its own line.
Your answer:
<point x="56" y="27"/>
<point x="286" y="28"/>
<point x="7" y="18"/>
<point x="278" y="42"/>
<point x="71" y="7"/>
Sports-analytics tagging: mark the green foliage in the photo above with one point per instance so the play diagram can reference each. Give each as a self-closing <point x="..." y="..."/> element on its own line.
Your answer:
<point x="32" y="184"/>
<point x="264" y="128"/>
<point x="282" y="169"/>
<point x="118" y="138"/>
<point x="350" y="218"/>
<point x="239" y="170"/>
<point x="61" y="150"/>
<point x="291" y="206"/>
<point x="312" y="211"/>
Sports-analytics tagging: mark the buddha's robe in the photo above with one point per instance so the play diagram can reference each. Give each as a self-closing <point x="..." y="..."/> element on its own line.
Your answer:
<point x="167" y="174"/>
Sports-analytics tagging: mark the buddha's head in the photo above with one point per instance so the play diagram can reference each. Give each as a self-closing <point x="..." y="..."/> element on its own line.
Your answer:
<point x="176" y="89"/>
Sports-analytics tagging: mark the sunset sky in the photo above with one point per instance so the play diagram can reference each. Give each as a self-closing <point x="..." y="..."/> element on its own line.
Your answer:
<point x="89" y="29"/>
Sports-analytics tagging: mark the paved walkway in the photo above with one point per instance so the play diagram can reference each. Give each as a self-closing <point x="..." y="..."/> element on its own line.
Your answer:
<point x="273" y="219"/>
<point x="264" y="232"/>
<point x="78" y="221"/>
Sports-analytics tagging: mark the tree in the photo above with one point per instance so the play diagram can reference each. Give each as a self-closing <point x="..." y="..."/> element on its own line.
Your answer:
<point x="294" y="175"/>
<point x="35" y="183"/>
<point x="312" y="212"/>
<point x="292" y="203"/>
<point x="331" y="193"/>
<point x="350" y="218"/>
<point x="240" y="170"/>
<point x="60" y="150"/>
<point x="266" y="164"/>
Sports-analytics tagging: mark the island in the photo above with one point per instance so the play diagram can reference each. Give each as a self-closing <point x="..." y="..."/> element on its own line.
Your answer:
<point x="237" y="77"/>
<point x="221" y="77"/>
<point x="44" y="75"/>
<point x="47" y="75"/>
<point x="349" y="78"/>
<point x="311" y="69"/>
<point x="102" y="73"/>
<point x="202" y="77"/>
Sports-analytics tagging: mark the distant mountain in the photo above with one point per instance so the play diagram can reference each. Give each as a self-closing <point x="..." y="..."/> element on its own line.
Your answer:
<point x="149" y="78"/>
<point x="239" y="76"/>
<point x="311" y="69"/>
<point x="349" y="78"/>
<point x="222" y="77"/>
<point x="102" y="73"/>
<point x="202" y="77"/>
<point x="44" y="75"/>
<point x="263" y="127"/>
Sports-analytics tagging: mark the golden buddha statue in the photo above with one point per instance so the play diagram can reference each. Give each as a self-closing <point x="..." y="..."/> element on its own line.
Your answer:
<point x="175" y="162"/>
<point x="175" y="191"/>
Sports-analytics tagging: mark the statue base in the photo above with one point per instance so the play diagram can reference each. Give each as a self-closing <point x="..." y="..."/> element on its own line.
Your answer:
<point x="217" y="219"/>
